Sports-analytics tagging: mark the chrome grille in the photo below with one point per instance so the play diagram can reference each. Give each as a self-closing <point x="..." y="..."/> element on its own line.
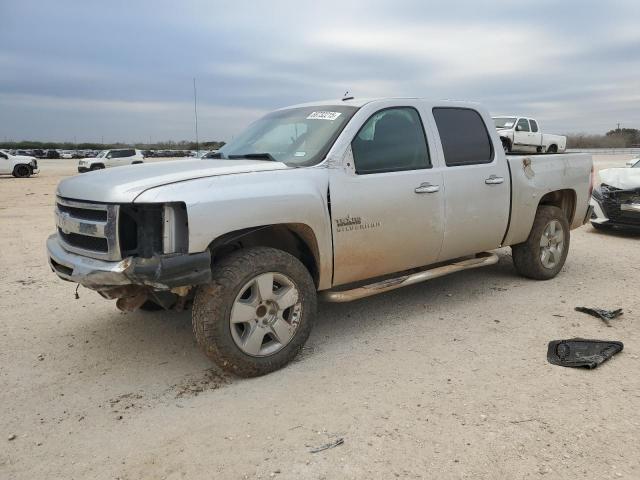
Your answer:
<point x="89" y="229"/>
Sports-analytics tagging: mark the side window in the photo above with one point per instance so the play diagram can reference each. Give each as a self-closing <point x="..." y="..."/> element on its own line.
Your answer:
<point x="534" y="125"/>
<point x="464" y="136"/>
<point x="129" y="153"/>
<point x="522" y="125"/>
<point x="391" y="140"/>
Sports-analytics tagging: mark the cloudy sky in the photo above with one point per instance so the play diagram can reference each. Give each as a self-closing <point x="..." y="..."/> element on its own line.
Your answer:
<point x="123" y="70"/>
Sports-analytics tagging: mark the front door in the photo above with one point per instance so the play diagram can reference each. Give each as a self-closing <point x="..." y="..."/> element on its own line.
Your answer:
<point x="387" y="201"/>
<point x="522" y="133"/>
<point x="477" y="181"/>
<point x="5" y="164"/>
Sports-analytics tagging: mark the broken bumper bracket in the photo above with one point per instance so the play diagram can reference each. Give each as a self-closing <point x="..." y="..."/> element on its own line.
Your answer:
<point x="161" y="272"/>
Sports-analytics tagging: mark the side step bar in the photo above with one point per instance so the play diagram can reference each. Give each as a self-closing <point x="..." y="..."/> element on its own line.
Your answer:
<point x="481" y="260"/>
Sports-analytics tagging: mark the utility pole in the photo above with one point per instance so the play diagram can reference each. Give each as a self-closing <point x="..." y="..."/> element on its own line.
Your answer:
<point x="618" y="125"/>
<point x="195" y="113"/>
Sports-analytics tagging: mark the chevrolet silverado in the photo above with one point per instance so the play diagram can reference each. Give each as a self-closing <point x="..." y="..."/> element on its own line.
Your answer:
<point x="336" y="200"/>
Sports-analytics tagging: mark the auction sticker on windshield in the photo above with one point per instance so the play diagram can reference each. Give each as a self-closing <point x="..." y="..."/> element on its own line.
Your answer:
<point x="323" y="116"/>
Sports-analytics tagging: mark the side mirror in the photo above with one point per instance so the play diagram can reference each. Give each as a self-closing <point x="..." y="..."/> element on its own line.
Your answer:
<point x="518" y="128"/>
<point x="109" y="155"/>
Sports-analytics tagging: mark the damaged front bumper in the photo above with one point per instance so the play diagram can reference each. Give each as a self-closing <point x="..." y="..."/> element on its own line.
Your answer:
<point x="616" y="207"/>
<point x="160" y="272"/>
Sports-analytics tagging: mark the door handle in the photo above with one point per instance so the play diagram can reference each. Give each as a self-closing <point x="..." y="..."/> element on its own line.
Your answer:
<point x="494" y="180"/>
<point x="427" y="188"/>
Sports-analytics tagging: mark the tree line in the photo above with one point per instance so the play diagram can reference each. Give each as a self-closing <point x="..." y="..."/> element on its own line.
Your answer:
<point x="617" y="138"/>
<point x="167" y="145"/>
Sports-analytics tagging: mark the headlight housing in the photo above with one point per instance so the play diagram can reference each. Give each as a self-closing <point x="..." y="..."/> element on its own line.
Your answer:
<point x="145" y="230"/>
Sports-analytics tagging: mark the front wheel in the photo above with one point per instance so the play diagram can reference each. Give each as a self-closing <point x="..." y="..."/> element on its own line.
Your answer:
<point x="22" y="171"/>
<point x="257" y="312"/>
<point x="543" y="254"/>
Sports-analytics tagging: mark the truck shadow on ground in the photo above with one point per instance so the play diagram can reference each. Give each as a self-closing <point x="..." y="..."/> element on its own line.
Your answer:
<point x="160" y="345"/>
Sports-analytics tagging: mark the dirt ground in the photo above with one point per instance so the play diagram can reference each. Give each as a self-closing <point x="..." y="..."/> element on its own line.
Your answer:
<point x="447" y="379"/>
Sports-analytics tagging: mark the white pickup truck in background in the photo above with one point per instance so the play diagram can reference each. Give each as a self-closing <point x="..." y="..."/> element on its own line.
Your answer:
<point x="522" y="134"/>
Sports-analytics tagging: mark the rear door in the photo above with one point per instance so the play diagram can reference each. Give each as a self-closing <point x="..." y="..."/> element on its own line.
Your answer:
<point x="477" y="183"/>
<point x="387" y="202"/>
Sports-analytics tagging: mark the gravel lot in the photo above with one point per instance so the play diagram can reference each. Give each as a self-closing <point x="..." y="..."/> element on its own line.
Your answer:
<point x="447" y="379"/>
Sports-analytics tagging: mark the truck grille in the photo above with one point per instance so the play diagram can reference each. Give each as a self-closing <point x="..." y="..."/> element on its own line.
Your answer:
<point x="89" y="229"/>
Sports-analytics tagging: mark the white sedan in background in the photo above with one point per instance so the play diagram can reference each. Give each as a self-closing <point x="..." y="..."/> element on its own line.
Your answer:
<point x="17" y="165"/>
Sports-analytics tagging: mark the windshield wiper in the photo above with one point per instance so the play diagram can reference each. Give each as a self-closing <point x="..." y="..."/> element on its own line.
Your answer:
<point x="255" y="156"/>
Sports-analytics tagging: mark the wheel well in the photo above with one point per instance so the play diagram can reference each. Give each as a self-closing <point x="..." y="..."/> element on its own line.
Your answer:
<point x="19" y="165"/>
<point x="294" y="238"/>
<point x="565" y="200"/>
<point x="94" y="165"/>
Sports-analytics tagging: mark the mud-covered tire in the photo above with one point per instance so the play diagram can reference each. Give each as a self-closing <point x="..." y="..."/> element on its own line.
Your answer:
<point x="213" y="303"/>
<point x="527" y="256"/>
<point x="22" y="171"/>
<point x="552" y="149"/>
<point x="96" y="167"/>
<point x="506" y="146"/>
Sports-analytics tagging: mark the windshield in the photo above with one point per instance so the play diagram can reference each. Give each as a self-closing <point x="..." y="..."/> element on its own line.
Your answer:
<point x="102" y="154"/>
<point x="295" y="136"/>
<point x="504" y="122"/>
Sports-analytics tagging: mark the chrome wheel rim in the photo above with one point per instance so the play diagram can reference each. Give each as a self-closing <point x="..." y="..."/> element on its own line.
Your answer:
<point x="551" y="244"/>
<point x="265" y="314"/>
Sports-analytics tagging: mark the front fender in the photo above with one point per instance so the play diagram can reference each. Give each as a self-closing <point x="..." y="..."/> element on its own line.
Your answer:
<point x="227" y="203"/>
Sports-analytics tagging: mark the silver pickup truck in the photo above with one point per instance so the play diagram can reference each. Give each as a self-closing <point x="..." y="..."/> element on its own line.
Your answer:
<point x="339" y="200"/>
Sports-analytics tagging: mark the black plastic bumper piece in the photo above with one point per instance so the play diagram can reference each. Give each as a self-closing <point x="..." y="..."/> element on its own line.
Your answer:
<point x="579" y="352"/>
<point x="171" y="270"/>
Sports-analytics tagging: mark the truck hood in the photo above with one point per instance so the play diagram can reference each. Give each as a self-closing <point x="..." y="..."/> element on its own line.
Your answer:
<point x="124" y="184"/>
<point x="624" y="178"/>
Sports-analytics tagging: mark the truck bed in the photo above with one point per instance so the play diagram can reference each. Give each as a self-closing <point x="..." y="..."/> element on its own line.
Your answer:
<point x="533" y="176"/>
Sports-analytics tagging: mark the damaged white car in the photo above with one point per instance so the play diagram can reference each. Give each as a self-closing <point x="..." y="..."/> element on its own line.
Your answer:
<point x="616" y="202"/>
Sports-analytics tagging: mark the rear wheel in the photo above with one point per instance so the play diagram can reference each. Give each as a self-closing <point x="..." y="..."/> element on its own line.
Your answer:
<point x="257" y="312"/>
<point x="96" y="167"/>
<point x="21" y="171"/>
<point x="552" y="149"/>
<point x="543" y="254"/>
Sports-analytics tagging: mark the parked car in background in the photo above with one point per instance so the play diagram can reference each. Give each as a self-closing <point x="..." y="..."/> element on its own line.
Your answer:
<point x="209" y="154"/>
<point x="66" y="154"/>
<point x="17" y="165"/>
<point x="111" y="158"/>
<point x="616" y="201"/>
<point x="409" y="190"/>
<point x="523" y="135"/>
<point x="52" y="154"/>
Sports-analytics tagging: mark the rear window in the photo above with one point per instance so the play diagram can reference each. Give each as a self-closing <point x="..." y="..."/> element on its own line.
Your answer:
<point x="464" y="136"/>
<point x="534" y="125"/>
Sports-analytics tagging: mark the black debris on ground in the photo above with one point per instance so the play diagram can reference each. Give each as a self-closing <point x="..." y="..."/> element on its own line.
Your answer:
<point x="604" y="315"/>
<point x="580" y="352"/>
